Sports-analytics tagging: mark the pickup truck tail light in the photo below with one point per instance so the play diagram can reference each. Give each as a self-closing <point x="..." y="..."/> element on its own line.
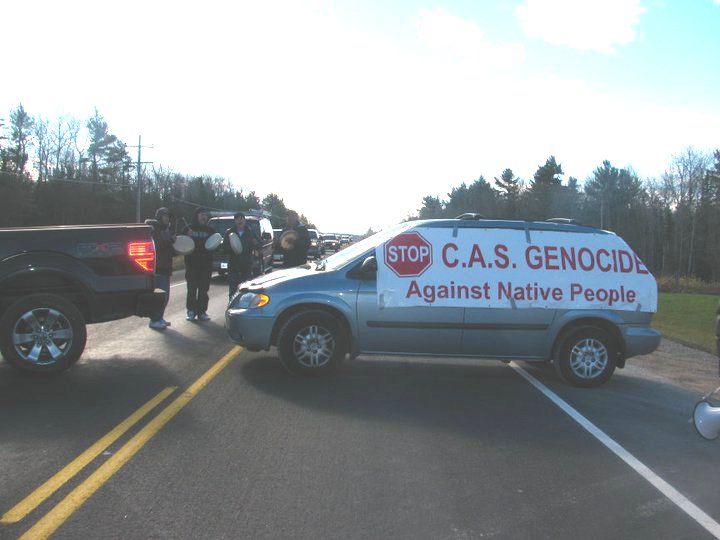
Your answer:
<point x="143" y="254"/>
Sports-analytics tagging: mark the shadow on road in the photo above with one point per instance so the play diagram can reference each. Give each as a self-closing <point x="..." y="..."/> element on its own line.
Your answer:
<point x="489" y="401"/>
<point x="98" y="393"/>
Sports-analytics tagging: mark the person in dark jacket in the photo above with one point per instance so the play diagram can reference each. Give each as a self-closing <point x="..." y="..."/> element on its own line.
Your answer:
<point x="198" y="267"/>
<point x="163" y="239"/>
<point x="717" y="336"/>
<point x="295" y="253"/>
<point x="240" y="264"/>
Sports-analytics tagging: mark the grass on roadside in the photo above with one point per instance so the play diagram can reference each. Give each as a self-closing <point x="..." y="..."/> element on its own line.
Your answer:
<point x="688" y="319"/>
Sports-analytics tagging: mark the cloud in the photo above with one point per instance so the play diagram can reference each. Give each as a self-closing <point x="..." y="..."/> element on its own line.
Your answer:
<point x="444" y="33"/>
<point x="302" y="103"/>
<point x="595" y="25"/>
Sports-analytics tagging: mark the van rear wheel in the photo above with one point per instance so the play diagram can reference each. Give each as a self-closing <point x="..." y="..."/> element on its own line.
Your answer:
<point x="312" y="343"/>
<point x="587" y="358"/>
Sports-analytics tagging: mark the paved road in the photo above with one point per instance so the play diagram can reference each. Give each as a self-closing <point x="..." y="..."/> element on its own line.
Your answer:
<point x="387" y="448"/>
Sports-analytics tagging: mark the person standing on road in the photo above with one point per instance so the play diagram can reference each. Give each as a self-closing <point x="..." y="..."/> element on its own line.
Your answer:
<point x="240" y="264"/>
<point x="717" y="336"/>
<point x="295" y="252"/>
<point x="163" y="239"/>
<point x="198" y="267"/>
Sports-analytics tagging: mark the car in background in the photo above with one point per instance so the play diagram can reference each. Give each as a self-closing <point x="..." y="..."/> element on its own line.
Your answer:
<point x="316" y="249"/>
<point x="277" y="254"/>
<point x="262" y="256"/>
<point x="330" y="242"/>
<point x="344" y="240"/>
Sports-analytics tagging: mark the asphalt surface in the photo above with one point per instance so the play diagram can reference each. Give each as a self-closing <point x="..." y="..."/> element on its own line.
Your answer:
<point x="385" y="448"/>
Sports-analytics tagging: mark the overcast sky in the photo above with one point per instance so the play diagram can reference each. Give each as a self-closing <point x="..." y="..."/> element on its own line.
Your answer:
<point x="353" y="111"/>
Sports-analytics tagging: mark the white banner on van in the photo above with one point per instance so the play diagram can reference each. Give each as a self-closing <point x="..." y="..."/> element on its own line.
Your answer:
<point x="501" y="268"/>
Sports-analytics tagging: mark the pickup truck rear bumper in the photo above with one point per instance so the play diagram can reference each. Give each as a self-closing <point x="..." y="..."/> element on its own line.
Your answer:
<point x="149" y="303"/>
<point x="110" y="307"/>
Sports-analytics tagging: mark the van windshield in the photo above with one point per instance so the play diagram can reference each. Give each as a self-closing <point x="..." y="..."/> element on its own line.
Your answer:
<point x="341" y="258"/>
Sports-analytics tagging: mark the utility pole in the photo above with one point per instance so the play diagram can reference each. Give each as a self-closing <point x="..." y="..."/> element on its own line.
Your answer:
<point x="138" y="184"/>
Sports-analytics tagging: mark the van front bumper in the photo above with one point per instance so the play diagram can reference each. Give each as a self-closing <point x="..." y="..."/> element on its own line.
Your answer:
<point x="250" y="331"/>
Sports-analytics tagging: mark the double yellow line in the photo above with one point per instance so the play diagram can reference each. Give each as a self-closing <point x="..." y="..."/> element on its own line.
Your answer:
<point x="77" y="497"/>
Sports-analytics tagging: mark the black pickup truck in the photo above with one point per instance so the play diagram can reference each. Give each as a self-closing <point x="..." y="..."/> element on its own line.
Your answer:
<point x="55" y="280"/>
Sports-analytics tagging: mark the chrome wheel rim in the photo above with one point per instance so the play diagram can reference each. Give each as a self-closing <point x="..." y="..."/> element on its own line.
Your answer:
<point x="588" y="358"/>
<point x="313" y="346"/>
<point x="42" y="336"/>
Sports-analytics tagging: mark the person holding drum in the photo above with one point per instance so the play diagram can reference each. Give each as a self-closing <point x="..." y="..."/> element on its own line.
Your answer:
<point x="163" y="261"/>
<point x="239" y="242"/>
<point x="198" y="266"/>
<point x="294" y="241"/>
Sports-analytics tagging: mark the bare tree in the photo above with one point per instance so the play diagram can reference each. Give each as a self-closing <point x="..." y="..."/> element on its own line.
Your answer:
<point x="689" y="171"/>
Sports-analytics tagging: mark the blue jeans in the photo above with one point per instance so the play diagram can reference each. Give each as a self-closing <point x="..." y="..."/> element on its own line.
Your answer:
<point x="162" y="282"/>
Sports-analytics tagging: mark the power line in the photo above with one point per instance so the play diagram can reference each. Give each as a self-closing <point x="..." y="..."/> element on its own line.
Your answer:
<point x="86" y="182"/>
<point x="138" y="201"/>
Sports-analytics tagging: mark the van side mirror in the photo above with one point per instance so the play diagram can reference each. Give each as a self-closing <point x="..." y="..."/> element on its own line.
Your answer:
<point x="369" y="266"/>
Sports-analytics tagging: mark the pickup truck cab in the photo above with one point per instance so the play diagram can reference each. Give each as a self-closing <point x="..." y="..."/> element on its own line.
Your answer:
<point x="575" y="296"/>
<point x="55" y="280"/>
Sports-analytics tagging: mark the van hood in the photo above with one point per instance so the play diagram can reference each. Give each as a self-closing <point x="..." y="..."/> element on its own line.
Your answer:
<point x="280" y="276"/>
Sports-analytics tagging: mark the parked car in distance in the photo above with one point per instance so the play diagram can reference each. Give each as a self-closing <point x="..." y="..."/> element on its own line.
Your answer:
<point x="277" y="254"/>
<point x="316" y="316"/>
<point x="316" y="249"/>
<point x="344" y="240"/>
<point x="330" y="242"/>
<point x="260" y="225"/>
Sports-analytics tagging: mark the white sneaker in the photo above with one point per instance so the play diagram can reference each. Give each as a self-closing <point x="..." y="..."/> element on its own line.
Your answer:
<point x="167" y="323"/>
<point x="157" y="325"/>
<point x="190" y="315"/>
<point x="203" y="317"/>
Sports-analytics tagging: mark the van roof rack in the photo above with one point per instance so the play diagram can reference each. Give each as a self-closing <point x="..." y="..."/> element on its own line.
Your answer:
<point x="470" y="215"/>
<point x="567" y="221"/>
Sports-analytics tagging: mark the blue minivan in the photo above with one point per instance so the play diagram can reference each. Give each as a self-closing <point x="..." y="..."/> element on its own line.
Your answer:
<point x="367" y="300"/>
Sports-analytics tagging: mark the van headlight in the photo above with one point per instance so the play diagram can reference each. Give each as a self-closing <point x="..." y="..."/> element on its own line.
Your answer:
<point x="250" y="300"/>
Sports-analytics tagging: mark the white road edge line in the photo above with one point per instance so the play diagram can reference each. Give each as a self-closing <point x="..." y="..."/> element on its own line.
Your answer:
<point x="708" y="523"/>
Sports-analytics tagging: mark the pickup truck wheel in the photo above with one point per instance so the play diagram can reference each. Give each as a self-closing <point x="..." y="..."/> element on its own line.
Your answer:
<point x="42" y="333"/>
<point x="312" y="343"/>
<point x="587" y="358"/>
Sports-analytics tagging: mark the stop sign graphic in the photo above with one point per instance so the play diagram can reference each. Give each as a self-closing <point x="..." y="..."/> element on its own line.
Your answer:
<point x="408" y="254"/>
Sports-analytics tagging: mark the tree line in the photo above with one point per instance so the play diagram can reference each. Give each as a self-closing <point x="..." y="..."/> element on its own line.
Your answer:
<point x="671" y="222"/>
<point x="69" y="172"/>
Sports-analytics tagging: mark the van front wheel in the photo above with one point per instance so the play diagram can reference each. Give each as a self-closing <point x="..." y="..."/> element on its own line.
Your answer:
<point x="312" y="343"/>
<point x="587" y="358"/>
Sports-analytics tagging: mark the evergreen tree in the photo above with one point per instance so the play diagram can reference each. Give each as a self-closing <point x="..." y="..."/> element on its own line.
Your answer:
<point x="544" y="189"/>
<point x="278" y="212"/>
<point x="15" y="157"/>
<point x="509" y="187"/>
<point x="432" y="208"/>
<point x="107" y="155"/>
